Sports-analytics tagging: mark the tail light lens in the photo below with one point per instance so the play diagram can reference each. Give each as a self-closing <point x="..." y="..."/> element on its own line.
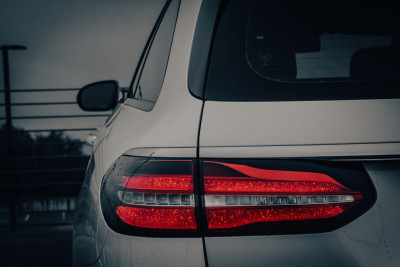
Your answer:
<point x="147" y="196"/>
<point x="150" y="196"/>
<point x="271" y="196"/>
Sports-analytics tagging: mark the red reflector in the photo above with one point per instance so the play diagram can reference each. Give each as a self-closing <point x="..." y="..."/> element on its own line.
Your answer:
<point x="161" y="218"/>
<point x="233" y="217"/>
<point x="159" y="183"/>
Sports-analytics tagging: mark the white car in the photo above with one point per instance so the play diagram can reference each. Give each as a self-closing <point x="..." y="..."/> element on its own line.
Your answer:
<point x="255" y="133"/>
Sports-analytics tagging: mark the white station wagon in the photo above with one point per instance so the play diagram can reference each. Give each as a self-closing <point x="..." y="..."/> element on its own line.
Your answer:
<point x="254" y="133"/>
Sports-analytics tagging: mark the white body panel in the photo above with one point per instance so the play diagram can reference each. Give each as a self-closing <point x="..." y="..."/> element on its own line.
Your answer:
<point x="173" y="122"/>
<point x="227" y="124"/>
<point x="122" y="250"/>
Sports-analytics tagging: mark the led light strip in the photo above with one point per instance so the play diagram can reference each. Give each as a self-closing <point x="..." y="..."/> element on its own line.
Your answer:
<point x="151" y="199"/>
<point x="240" y="200"/>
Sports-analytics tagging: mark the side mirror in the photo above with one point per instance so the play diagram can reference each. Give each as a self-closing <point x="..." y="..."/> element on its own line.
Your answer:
<point x="98" y="96"/>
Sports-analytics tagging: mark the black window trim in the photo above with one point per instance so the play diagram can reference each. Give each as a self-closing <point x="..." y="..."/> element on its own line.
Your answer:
<point x="143" y="104"/>
<point x="204" y="36"/>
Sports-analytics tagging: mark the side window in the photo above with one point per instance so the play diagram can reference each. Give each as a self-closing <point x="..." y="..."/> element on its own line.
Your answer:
<point x="151" y="75"/>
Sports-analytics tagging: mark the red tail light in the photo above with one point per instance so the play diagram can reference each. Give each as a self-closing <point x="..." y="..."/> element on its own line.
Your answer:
<point x="145" y="196"/>
<point x="159" y="183"/>
<point x="158" y="217"/>
<point x="256" y="195"/>
<point x="158" y="201"/>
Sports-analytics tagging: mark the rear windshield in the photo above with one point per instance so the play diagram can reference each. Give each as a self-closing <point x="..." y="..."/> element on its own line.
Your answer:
<point x="306" y="50"/>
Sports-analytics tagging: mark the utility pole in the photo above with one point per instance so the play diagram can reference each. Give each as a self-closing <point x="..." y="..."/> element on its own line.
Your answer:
<point x="7" y="94"/>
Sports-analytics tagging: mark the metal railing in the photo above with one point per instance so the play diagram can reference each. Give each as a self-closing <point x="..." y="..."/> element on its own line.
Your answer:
<point x="43" y="158"/>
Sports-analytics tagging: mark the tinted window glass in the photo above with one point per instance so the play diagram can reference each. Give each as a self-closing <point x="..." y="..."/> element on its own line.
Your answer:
<point x="152" y="75"/>
<point x="296" y="50"/>
<point x="201" y="46"/>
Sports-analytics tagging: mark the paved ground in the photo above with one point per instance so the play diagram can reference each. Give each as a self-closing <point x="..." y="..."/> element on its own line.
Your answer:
<point x="36" y="246"/>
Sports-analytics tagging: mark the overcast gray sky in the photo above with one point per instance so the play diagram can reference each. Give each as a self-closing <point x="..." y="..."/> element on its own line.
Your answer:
<point x="71" y="43"/>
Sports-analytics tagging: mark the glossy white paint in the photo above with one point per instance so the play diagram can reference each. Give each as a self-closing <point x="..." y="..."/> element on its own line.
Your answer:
<point x="371" y="240"/>
<point x="173" y="122"/>
<point x="371" y="150"/>
<point x="122" y="250"/>
<point x="90" y="228"/>
<point x="368" y="150"/>
<point x="228" y="124"/>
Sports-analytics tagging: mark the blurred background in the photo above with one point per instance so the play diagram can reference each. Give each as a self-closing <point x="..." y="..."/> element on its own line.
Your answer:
<point x="43" y="155"/>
